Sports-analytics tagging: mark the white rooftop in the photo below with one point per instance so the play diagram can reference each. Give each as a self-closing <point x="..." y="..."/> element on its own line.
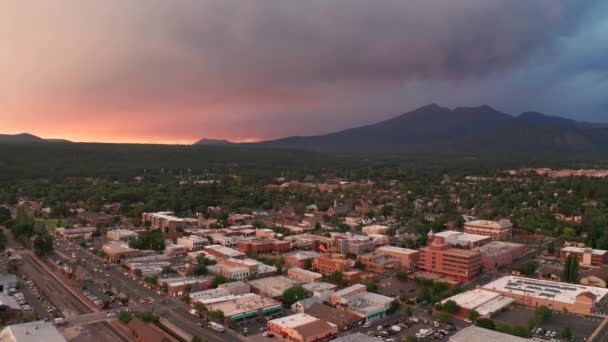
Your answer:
<point x="32" y="332"/>
<point x="294" y="321"/>
<point x="572" y="249"/>
<point x="477" y="334"/>
<point x="393" y="249"/>
<point x="455" y="237"/>
<point x="225" y="250"/>
<point x="544" y="289"/>
<point x="471" y="299"/>
<point x="318" y="286"/>
<point x="494" y="305"/>
<point x="490" y="224"/>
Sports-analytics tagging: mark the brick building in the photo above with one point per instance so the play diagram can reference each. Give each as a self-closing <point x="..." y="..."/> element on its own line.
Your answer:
<point x="440" y="258"/>
<point x="498" y="230"/>
<point x="330" y="263"/>
<point x="379" y="263"/>
<point x="408" y="258"/>
<point x="586" y="256"/>
<point x="264" y="246"/>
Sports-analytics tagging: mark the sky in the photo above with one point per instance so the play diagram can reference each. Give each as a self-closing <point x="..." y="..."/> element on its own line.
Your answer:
<point x="158" y="71"/>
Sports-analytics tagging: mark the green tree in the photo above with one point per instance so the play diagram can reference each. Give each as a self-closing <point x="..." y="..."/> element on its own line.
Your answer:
<point x="294" y="294"/>
<point x="566" y="333"/>
<point x="444" y="317"/>
<point x="125" y="317"/>
<point x="571" y="267"/>
<point x="371" y="285"/>
<point x="216" y="315"/>
<point x="408" y="311"/>
<point x="528" y="268"/>
<point x="486" y="323"/>
<point x="199" y="270"/>
<point x="451" y="307"/>
<point x="148" y="317"/>
<point x="218" y="280"/>
<point x="473" y="315"/>
<point x="542" y="314"/>
<point x="393" y="307"/>
<point x="520" y="331"/>
<point x="401" y="276"/>
<point x="359" y="265"/>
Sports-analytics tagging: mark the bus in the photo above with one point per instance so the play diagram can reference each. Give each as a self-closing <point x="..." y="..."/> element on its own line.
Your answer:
<point x="216" y="326"/>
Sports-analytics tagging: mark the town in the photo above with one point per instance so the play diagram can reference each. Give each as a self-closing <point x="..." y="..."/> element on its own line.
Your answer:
<point x="509" y="257"/>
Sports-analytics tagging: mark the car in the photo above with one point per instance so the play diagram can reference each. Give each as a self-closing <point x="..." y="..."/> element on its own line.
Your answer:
<point x="262" y="329"/>
<point x="110" y="314"/>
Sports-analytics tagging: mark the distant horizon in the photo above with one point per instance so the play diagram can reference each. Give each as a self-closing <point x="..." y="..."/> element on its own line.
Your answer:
<point x="186" y="142"/>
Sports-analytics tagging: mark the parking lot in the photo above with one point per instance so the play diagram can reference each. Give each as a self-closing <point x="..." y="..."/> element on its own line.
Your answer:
<point x="581" y="326"/>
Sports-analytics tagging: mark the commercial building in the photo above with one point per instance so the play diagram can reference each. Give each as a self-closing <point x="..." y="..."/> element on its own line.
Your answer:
<point x="193" y="242"/>
<point x="167" y="220"/>
<point x="240" y="269"/>
<point x="463" y="240"/>
<point x="238" y="307"/>
<point x="347" y="243"/>
<point x="476" y="334"/>
<point x="235" y="287"/>
<point x="76" y="233"/>
<point x="307" y="241"/>
<point x="497" y="230"/>
<point x="303" y="275"/>
<point x="343" y="319"/>
<point x="178" y="286"/>
<point x="358" y="337"/>
<point x="264" y="246"/>
<point x="330" y="263"/>
<point x="497" y="254"/>
<point x="7" y="282"/>
<point x="300" y="259"/>
<point x="95" y="219"/>
<point x="586" y="256"/>
<point x="320" y="290"/>
<point x="379" y="263"/>
<point x="357" y="300"/>
<point x="302" y="328"/>
<point x="176" y="249"/>
<point x="375" y="229"/>
<point x="408" y="258"/>
<point x="557" y="296"/>
<point x="272" y="287"/>
<point x="440" y="258"/>
<point x="486" y="303"/>
<point x="219" y="251"/>
<point x="121" y="234"/>
<point x="31" y="332"/>
<point x="116" y="252"/>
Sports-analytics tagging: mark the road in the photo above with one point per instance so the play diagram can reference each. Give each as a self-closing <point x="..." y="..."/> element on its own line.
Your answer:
<point x="175" y="311"/>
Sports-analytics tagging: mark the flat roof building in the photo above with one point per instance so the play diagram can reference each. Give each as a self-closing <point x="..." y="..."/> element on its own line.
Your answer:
<point x="193" y="242"/>
<point x="440" y="258"/>
<point x="223" y="252"/>
<point x="497" y="254"/>
<point x="497" y="230"/>
<point x="375" y="229"/>
<point x="121" y="234"/>
<point x="304" y="276"/>
<point x="330" y="263"/>
<point x="272" y="287"/>
<point x="557" y="296"/>
<point x="238" y="307"/>
<point x="464" y="240"/>
<point x="74" y="233"/>
<point x="476" y="334"/>
<point x="357" y="300"/>
<point x="302" y="328"/>
<point x="586" y="256"/>
<point x="31" y="332"/>
<point x="408" y="258"/>
<point x="300" y="258"/>
<point x="486" y="303"/>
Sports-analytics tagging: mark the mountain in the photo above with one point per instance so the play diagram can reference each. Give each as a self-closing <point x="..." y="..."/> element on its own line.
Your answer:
<point x="208" y="142"/>
<point x="26" y="137"/>
<point x="481" y="131"/>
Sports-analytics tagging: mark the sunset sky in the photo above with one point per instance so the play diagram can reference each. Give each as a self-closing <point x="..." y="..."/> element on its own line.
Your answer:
<point x="175" y="71"/>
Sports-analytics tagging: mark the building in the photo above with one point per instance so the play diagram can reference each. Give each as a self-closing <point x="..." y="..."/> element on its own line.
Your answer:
<point x="235" y="287"/>
<point x="31" y="332"/>
<point x="238" y="307"/>
<point x="379" y="263"/>
<point x="320" y="290"/>
<point x="304" y="275"/>
<point x="224" y="239"/>
<point x="176" y="249"/>
<point x="115" y="252"/>
<point x="121" y="234"/>
<point x="497" y="254"/>
<point x="76" y="233"/>
<point x="307" y="241"/>
<point x="179" y="286"/>
<point x="95" y="219"/>
<point x="476" y="334"/>
<point x="264" y="246"/>
<point x="586" y="256"/>
<point x="486" y="303"/>
<point x="193" y="242"/>
<point x="147" y="332"/>
<point x="230" y="272"/>
<point x="359" y="337"/>
<point x="167" y="220"/>
<point x="408" y="258"/>
<point x="343" y="319"/>
<point x="357" y="300"/>
<point x="347" y="243"/>
<point x="329" y="263"/>
<point x="596" y="276"/>
<point x="557" y="296"/>
<point x="463" y="240"/>
<point x="440" y="258"/>
<point x="219" y="251"/>
<point x="302" y="328"/>
<point x="272" y="287"/>
<point x="497" y="230"/>
<point x="375" y="229"/>
<point x="301" y="259"/>
<point x="8" y="281"/>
